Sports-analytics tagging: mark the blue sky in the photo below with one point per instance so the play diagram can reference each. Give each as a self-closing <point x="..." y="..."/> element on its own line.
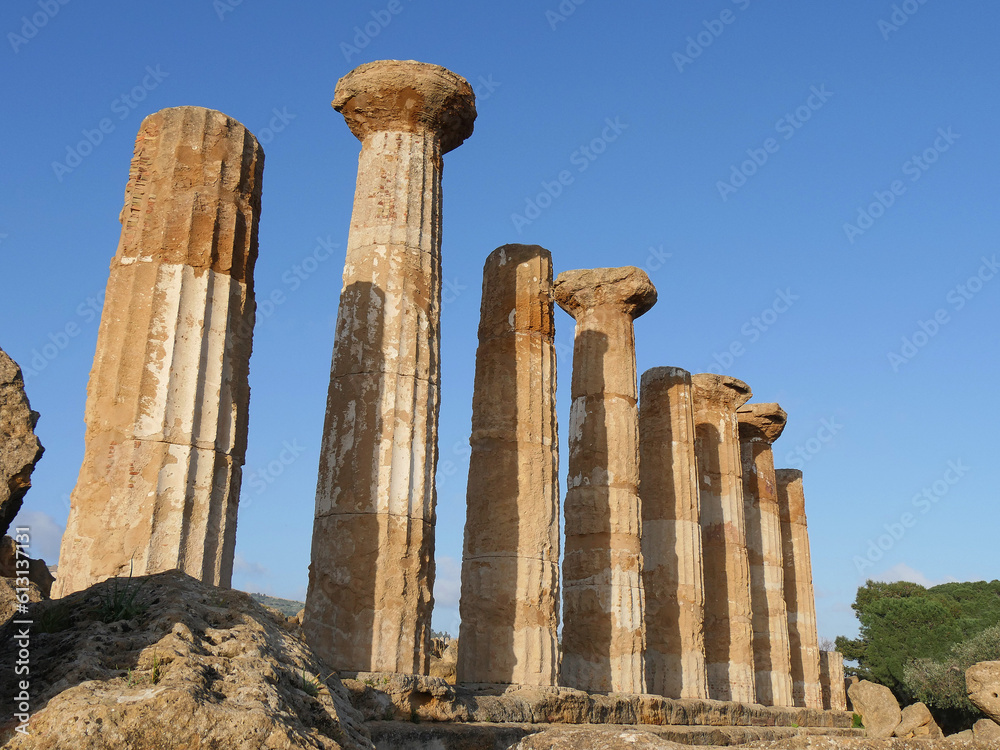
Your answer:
<point x="811" y="187"/>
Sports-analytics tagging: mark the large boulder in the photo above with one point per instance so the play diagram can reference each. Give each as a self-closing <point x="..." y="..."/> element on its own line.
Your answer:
<point x="982" y="680"/>
<point x="916" y="721"/>
<point x="878" y="708"/>
<point x="19" y="447"/>
<point x="167" y="661"/>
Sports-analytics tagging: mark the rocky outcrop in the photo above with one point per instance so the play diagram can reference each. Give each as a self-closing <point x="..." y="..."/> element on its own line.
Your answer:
<point x="189" y="665"/>
<point x="19" y="447"/>
<point x="37" y="571"/>
<point x="916" y="721"/>
<point x="983" y="683"/>
<point x="878" y="708"/>
<point x="612" y="738"/>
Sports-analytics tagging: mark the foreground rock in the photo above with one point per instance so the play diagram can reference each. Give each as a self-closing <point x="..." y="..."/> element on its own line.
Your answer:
<point x="983" y="683"/>
<point x="916" y="721"/>
<point x="35" y="571"/>
<point x="591" y="738"/>
<point x="19" y="447"/>
<point x="878" y="708"/>
<point x="987" y="730"/>
<point x="841" y="743"/>
<point x="201" y="666"/>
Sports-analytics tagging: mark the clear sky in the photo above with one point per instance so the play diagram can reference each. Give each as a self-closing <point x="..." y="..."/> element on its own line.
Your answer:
<point x="812" y="188"/>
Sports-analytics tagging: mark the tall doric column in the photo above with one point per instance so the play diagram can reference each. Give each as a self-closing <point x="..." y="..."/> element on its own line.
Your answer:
<point x="510" y="564"/>
<point x="672" y="575"/>
<point x="168" y="393"/>
<point x="728" y="627"/>
<point x="831" y="680"/>
<point x="760" y="425"/>
<point x="799" y="599"/>
<point x="368" y="605"/>
<point x="602" y="586"/>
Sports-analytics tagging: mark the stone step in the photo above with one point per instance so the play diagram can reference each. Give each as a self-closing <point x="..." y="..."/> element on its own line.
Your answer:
<point x="403" y="735"/>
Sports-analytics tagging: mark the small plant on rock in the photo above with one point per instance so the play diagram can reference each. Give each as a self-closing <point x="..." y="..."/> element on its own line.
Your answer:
<point x="120" y="601"/>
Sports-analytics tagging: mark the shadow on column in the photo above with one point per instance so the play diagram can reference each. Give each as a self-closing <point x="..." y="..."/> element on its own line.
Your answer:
<point x="588" y="574"/>
<point x="718" y="640"/>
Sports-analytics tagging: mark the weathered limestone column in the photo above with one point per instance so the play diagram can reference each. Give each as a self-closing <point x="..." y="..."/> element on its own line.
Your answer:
<point x="168" y="395"/>
<point x="831" y="680"/>
<point x="672" y="574"/>
<point x="510" y="564"/>
<point x="760" y="425"/>
<point x="728" y="626"/>
<point x="799" y="598"/>
<point x="368" y="605"/>
<point x="603" y="599"/>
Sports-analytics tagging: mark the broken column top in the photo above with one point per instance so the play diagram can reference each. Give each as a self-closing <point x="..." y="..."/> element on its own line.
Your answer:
<point x="761" y="421"/>
<point x="668" y="375"/>
<point x="627" y="288"/>
<point x="722" y="389"/>
<point x="407" y="96"/>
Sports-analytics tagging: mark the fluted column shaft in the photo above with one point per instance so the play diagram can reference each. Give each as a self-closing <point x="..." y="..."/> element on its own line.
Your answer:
<point x="672" y="573"/>
<point x="602" y="586"/>
<point x="168" y="394"/>
<point x="831" y="680"/>
<point x="728" y="626"/>
<point x="510" y="562"/>
<point x="368" y="606"/>
<point x="799" y="597"/>
<point x="760" y="425"/>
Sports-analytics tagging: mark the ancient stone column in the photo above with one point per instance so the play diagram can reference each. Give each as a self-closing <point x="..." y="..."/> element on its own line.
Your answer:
<point x="728" y="626"/>
<point x="672" y="574"/>
<point x="168" y="394"/>
<point x="799" y="599"/>
<point x="368" y="605"/>
<point x="760" y="425"/>
<point x="831" y="680"/>
<point x="602" y="586"/>
<point x="510" y="563"/>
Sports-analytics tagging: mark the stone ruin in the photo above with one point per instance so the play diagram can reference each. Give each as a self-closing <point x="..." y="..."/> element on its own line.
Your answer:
<point x="686" y="571"/>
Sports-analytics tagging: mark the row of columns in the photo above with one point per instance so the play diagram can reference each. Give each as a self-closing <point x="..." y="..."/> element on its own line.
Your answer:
<point x="690" y="579"/>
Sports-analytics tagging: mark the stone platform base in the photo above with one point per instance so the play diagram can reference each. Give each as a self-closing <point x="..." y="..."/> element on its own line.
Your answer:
<point x="412" y="711"/>
<point x="400" y="735"/>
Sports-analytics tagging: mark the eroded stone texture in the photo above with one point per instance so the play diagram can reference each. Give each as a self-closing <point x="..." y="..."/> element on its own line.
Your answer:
<point x="800" y="601"/>
<point x="877" y="705"/>
<point x="672" y="576"/>
<point x="983" y="683"/>
<point x="369" y="601"/>
<point x="510" y="563"/>
<point x="603" y="599"/>
<point x="168" y="393"/>
<point x="760" y="425"/>
<point x="728" y="626"/>
<point x="831" y="680"/>
<point x="19" y="447"/>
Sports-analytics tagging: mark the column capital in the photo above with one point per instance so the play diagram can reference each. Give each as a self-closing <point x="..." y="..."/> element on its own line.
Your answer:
<point x="407" y="96"/>
<point x="665" y="376"/>
<point x="761" y="421"/>
<point x="721" y="389"/>
<point x="627" y="289"/>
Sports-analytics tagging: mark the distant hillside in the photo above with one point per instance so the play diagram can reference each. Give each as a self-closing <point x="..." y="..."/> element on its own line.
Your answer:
<point x="287" y="607"/>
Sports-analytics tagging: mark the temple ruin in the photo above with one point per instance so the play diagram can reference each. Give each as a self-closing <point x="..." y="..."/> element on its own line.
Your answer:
<point x="686" y="570"/>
